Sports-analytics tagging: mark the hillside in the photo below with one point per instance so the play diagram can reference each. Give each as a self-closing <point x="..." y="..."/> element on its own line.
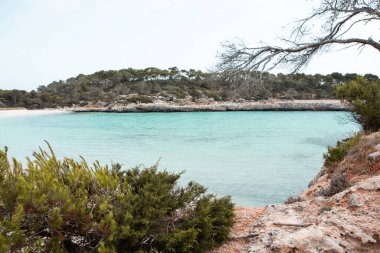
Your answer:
<point x="128" y="86"/>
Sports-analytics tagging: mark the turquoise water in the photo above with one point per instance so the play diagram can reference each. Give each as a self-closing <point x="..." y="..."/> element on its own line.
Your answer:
<point x="256" y="157"/>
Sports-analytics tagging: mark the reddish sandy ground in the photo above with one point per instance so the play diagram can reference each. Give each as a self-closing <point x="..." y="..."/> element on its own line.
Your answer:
<point x="245" y="217"/>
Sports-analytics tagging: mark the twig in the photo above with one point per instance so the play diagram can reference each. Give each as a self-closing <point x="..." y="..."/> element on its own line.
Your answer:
<point x="292" y="224"/>
<point x="243" y="236"/>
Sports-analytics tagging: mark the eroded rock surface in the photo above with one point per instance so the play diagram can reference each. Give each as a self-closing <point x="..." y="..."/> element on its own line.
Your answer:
<point x="270" y="105"/>
<point x="348" y="221"/>
<point x="334" y="224"/>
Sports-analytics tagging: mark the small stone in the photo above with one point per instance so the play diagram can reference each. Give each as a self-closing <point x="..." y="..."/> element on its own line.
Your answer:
<point x="377" y="147"/>
<point x="101" y="103"/>
<point x="353" y="200"/>
<point x="374" y="155"/>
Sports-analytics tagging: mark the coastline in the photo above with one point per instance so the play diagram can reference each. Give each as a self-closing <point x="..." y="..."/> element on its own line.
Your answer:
<point x="22" y="112"/>
<point x="346" y="219"/>
<point x="208" y="106"/>
<point x="213" y="106"/>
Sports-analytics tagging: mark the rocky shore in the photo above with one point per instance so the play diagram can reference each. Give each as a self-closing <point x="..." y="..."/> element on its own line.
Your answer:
<point x="204" y="106"/>
<point x="346" y="221"/>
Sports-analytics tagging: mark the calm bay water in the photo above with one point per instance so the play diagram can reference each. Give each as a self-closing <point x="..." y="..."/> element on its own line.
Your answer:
<point x="256" y="157"/>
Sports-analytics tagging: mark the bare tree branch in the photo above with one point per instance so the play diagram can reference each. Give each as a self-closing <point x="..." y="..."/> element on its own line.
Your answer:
<point x="338" y="18"/>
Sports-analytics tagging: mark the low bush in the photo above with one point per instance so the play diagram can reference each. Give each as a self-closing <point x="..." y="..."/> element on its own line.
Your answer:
<point x="140" y="99"/>
<point x="294" y="199"/>
<point x="336" y="154"/>
<point x="53" y="205"/>
<point x="338" y="184"/>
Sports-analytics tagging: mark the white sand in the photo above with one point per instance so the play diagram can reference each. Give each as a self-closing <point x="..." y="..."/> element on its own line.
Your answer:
<point x="8" y="113"/>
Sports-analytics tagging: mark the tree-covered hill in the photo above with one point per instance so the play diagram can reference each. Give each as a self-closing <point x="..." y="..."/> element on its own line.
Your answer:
<point x="150" y="84"/>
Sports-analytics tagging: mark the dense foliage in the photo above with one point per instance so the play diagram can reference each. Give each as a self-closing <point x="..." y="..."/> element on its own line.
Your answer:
<point x="363" y="95"/>
<point x="56" y="205"/>
<point x="146" y="85"/>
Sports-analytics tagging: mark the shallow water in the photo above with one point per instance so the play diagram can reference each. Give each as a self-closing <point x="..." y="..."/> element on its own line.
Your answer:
<point x="256" y="157"/>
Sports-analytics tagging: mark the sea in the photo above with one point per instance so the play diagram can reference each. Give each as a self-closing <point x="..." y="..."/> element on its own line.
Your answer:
<point x="257" y="158"/>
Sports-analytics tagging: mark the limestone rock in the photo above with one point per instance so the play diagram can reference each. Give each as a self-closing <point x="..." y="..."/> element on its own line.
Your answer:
<point x="346" y="222"/>
<point x="356" y="200"/>
<point x="165" y="105"/>
<point x="374" y="155"/>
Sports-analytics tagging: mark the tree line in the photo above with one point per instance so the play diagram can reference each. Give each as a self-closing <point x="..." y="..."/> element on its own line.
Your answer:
<point x="146" y="85"/>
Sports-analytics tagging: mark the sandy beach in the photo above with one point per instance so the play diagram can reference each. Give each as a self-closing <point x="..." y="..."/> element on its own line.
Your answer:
<point x="22" y="112"/>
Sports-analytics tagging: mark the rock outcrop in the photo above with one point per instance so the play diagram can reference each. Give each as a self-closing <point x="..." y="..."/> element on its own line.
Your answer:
<point x="270" y="105"/>
<point x="348" y="221"/>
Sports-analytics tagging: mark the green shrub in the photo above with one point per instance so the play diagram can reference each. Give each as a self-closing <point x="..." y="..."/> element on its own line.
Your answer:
<point x="364" y="97"/>
<point x="336" y="154"/>
<point x="140" y="99"/>
<point x="293" y="199"/>
<point x="64" y="205"/>
<point x="337" y="184"/>
<point x="195" y="93"/>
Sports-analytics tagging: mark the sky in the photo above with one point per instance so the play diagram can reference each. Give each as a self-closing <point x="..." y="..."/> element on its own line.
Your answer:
<point x="46" y="40"/>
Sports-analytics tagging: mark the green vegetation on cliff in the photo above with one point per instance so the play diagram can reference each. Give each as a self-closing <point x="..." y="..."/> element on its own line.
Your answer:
<point x="336" y="154"/>
<point x="363" y="95"/>
<point x="145" y="85"/>
<point x="56" y="205"/>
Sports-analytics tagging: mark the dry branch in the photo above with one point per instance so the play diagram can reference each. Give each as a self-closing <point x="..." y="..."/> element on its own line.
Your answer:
<point x="292" y="224"/>
<point x="339" y="17"/>
<point x="244" y="236"/>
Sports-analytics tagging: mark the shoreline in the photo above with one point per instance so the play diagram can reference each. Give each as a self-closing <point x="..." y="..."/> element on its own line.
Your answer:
<point x="270" y="105"/>
<point x="23" y="112"/>
<point x="345" y="221"/>
<point x="327" y="215"/>
<point x="159" y="106"/>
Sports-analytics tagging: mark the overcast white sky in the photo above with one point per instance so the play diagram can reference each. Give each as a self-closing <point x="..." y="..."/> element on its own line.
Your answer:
<point x="46" y="40"/>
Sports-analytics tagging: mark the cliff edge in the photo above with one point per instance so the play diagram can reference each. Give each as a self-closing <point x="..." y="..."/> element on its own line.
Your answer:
<point x="339" y="212"/>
